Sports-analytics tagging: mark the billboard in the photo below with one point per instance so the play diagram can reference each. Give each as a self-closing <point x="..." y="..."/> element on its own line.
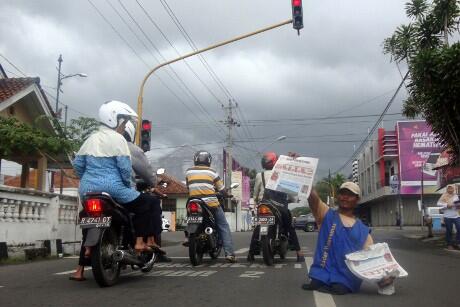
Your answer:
<point x="416" y="142"/>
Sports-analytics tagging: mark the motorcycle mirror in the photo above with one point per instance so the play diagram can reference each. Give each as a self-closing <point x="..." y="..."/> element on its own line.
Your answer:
<point x="160" y="171"/>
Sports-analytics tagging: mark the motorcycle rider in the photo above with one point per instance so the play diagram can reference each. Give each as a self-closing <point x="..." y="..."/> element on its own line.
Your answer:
<point x="103" y="163"/>
<point x="281" y="201"/>
<point x="203" y="182"/>
<point x="143" y="169"/>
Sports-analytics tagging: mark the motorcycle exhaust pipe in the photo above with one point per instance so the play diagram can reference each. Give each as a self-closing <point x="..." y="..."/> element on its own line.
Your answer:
<point x="208" y="231"/>
<point x="126" y="258"/>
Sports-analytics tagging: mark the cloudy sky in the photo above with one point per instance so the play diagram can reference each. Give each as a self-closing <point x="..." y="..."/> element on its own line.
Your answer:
<point x="283" y="83"/>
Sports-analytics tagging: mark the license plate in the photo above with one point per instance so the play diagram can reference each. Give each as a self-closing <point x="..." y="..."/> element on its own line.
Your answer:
<point x="194" y="219"/>
<point x="266" y="220"/>
<point x="263" y="230"/>
<point x="98" y="222"/>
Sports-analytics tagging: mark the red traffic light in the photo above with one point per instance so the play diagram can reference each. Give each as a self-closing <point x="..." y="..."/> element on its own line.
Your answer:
<point x="146" y="125"/>
<point x="296" y="2"/>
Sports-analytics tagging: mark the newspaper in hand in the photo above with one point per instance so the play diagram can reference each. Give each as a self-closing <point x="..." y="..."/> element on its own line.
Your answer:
<point x="374" y="264"/>
<point x="293" y="176"/>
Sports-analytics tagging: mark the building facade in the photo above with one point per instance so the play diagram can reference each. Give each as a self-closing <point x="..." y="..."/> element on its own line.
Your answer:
<point x="391" y="171"/>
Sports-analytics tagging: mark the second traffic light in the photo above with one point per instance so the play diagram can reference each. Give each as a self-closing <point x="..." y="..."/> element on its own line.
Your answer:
<point x="146" y="134"/>
<point x="297" y="15"/>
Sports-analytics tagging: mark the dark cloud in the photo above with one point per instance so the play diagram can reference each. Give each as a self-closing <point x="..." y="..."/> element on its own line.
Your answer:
<point x="336" y="66"/>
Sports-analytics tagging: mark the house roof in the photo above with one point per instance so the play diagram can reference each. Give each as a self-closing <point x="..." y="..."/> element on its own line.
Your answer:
<point x="174" y="185"/>
<point x="11" y="86"/>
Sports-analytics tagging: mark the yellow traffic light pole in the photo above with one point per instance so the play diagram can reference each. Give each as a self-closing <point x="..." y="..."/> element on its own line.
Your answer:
<point x="140" y="98"/>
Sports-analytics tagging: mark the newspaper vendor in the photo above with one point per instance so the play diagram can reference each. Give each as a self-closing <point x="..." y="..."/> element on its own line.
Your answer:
<point x="340" y="233"/>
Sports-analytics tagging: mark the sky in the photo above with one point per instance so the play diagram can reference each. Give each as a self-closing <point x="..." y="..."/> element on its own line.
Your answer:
<point x="283" y="84"/>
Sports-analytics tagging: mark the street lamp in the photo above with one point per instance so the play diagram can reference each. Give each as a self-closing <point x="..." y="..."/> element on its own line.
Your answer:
<point x="61" y="77"/>
<point x="278" y="139"/>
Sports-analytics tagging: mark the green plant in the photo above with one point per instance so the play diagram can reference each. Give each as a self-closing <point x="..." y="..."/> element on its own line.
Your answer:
<point x="434" y="66"/>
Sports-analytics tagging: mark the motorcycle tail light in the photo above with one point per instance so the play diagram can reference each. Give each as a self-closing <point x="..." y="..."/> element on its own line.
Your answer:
<point x="194" y="207"/>
<point x="264" y="210"/>
<point x="94" y="206"/>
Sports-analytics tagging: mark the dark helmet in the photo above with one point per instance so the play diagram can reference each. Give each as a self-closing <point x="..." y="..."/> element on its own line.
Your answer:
<point x="202" y="157"/>
<point x="269" y="159"/>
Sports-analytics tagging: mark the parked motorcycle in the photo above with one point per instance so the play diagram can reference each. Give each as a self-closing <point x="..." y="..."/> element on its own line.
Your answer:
<point x="272" y="238"/>
<point x="112" y="238"/>
<point x="203" y="235"/>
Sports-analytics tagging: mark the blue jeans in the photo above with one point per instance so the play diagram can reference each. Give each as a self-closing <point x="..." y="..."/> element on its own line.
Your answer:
<point x="224" y="230"/>
<point x="449" y="227"/>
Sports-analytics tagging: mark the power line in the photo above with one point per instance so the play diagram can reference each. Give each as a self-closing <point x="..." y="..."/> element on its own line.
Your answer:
<point x="374" y="127"/>
<point x="135" y="52"/>
<point x="14" y="66"/>
<point x="180" y="79"/>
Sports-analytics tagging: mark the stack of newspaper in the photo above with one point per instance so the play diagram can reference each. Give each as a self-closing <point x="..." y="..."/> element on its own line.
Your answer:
<point x="374" y="264"/>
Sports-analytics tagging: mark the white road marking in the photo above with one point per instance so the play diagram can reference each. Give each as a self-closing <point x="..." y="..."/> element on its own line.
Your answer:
<point x="242" y="250"/>
<point x="280" y="265"/>
<point x="237" y="257"/>
<point x="2" y="286"/>
<point x="321" y="299"/>
<point x="182" y="273"/>
<point x="71" y="257"/>
<point x="252" y="274"/>
<point x="72" y="271"/>
<point x="298" y="266"/>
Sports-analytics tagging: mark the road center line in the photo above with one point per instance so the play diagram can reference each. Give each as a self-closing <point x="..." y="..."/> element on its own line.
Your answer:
<point x="321" y="299"/>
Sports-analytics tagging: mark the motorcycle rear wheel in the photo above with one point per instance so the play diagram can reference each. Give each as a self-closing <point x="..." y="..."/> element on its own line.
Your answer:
<point x="267" y="242"/>
<point x="105" y="271"/>
<point x="194" y="250"/>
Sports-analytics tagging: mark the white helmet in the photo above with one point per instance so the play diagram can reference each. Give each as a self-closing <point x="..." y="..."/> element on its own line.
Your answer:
<point x="112" y="112"/>
<point x="130" y="130"/>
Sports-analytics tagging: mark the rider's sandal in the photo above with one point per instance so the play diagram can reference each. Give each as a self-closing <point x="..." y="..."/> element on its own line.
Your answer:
<point x="71" y="277"/>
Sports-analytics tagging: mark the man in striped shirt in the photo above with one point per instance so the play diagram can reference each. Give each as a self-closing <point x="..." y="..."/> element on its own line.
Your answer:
<point x="203" y="182"/>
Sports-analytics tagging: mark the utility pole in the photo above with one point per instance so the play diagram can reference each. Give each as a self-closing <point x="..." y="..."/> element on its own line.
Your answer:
<point x="230" y="122"/>
<point x="59" y="83"/>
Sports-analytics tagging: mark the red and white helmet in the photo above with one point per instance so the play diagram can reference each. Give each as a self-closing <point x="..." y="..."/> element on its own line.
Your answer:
<point x="269" y="159"/>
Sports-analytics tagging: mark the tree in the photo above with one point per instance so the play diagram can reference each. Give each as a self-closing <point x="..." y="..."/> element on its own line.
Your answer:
<point x="434" y="66"/>
<point x="21" y="139"/>
<point x="329" y="186"/>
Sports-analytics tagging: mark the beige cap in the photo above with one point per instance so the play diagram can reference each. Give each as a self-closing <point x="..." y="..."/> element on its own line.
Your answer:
<point x="352" y="187"/>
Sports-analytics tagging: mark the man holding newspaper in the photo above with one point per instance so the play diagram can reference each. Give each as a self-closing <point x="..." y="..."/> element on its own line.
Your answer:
<point x="341" y="233"/>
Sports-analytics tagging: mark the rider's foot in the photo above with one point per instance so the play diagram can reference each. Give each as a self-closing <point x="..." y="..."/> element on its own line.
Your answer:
<point x="250" y="257"/>
<point x="87" y="252"/>
<point x="142" y="248"/>
<point x="231" y="258"/>
<point x="300" y="257"/>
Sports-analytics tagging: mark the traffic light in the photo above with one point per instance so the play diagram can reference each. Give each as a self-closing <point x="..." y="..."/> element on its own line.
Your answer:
<point x="297" y="15"/>
<point x="355" y="171"/>
<point x="146" y="134"/>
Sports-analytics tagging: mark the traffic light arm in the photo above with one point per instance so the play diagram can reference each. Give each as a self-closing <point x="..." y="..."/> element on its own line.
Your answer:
<point x="140" y="98"/>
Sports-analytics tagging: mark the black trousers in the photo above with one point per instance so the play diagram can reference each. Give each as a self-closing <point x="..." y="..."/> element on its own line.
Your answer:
<point x="147" y="215"/>
<point x="289" y="230"/>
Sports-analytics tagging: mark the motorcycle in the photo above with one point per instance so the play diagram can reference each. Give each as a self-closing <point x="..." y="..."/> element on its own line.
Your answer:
<point x="111" y="236"/>
<point x="203" y="236"/>
<point x="272" y="237"/>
